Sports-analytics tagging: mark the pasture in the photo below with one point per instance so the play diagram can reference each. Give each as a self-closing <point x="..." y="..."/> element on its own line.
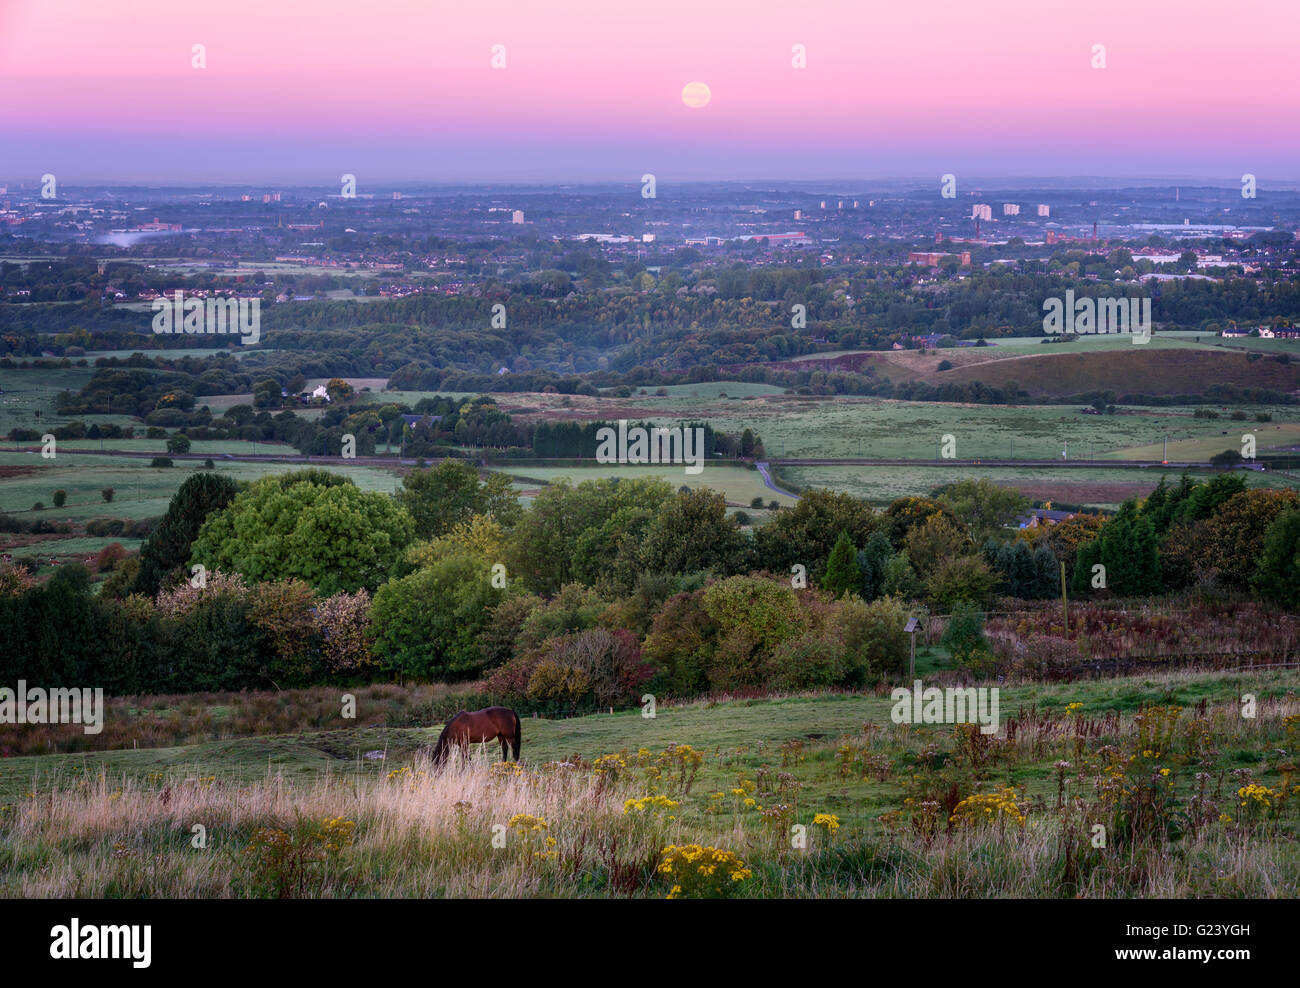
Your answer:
<point x="886" y="429"/>
<point x="139" y="491"/>
<point x="1094" y="486"/>
<point x="598" y="798"/>
<point x="739" y="484"/>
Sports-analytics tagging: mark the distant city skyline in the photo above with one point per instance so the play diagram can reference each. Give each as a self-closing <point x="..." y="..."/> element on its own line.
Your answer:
<point x="303" y="91"/>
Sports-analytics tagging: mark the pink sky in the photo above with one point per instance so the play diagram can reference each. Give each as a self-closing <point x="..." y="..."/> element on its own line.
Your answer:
<point x="403" y="89"/>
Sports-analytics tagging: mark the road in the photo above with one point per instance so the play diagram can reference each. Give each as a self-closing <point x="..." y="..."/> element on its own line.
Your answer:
<point x="767" y="481"/>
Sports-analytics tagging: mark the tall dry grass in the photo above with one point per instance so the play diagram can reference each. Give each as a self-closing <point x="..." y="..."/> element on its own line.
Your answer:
<point x="426" y="834"/>
<point x="192" y="718"/>
<point x="418" y="832"/>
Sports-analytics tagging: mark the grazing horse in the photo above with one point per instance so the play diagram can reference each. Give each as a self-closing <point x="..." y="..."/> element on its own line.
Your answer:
<point x="476" y="726"/>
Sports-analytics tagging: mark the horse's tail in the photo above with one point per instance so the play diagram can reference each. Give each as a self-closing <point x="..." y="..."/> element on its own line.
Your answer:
<point x="519" y="734"/>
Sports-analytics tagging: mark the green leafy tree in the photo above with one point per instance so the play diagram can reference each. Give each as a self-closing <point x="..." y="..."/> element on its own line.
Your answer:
<point x="178" y="444"/>
<point x="906" y="513"/>
<point x="1128" y="549"/>
<point x="1235" y="535"/>
<point x="935" y="541"/>
<point x="1024" y="572"/>
<point x="1203" y="500"/>
<point x="843" y="576"/>
<point x="692" y="532"/>
<point x="338" y="389"/>
<point x="963" y="635"/>
<point x="962" y="579"/>
<point x="439" y="498"/>
<point x="680" y="645"/>
<point x="805" y="534"/>
<point x="900" y="578"/>
<point x="1278" y="576"/>
<point x="166" y="551"/>
<point x="872" y="559"/>
<point x="429" y="625"/>
<point x="590" y="532"/>
<point x="983" y="507"/>
<point x="754" y="616"/>
<point x="876" y="644"/>
<point x="266" y="393"/>
<point x="334" y="538"/>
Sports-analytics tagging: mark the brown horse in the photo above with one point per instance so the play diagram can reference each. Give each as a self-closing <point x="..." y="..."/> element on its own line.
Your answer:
<point x="476" y="726"/>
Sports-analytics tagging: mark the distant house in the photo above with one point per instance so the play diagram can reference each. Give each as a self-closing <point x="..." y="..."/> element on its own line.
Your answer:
<point x="1039" y="517"/>
<point x="420" y="421"/>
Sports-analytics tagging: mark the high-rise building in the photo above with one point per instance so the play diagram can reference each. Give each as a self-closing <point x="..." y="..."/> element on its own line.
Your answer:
<point x="517" y="216"/>
<point x="1044" y="210"/>
<point x="1010" y="209"/>
<point x="798" y="214"/>
<point x="981" y="211"/>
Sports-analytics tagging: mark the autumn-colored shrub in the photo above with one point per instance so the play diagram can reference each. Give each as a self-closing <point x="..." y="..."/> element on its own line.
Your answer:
<point x="107" y="559"/>
<point x="341" y="621"/>
<point x="283" y="610"/>
<point x="185" y="596"/>
<point x="591" y="669"/>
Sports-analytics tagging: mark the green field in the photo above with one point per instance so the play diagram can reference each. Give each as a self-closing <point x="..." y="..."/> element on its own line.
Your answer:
<point x="869" y="427"/>
<point x="23" y="393"/>
<point x="711" y="389"/>
<point x="739" y="484"/>
<point x="141" y="491"/>
<point x="1096" y="487"/>
<point x="759" y="726"/>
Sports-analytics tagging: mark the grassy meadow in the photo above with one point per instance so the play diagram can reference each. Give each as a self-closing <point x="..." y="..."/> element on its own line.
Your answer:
<point x="739" y="484"/>
<point x="1097" y="487"/>
<point x="1196" y="799"/>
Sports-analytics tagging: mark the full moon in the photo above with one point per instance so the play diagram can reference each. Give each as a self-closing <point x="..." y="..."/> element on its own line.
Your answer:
<point x="696" y="95"/>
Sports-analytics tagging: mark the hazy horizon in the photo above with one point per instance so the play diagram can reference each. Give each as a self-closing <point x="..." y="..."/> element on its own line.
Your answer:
<point x="829" y="185"/>
<point x="396" y="91"/>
